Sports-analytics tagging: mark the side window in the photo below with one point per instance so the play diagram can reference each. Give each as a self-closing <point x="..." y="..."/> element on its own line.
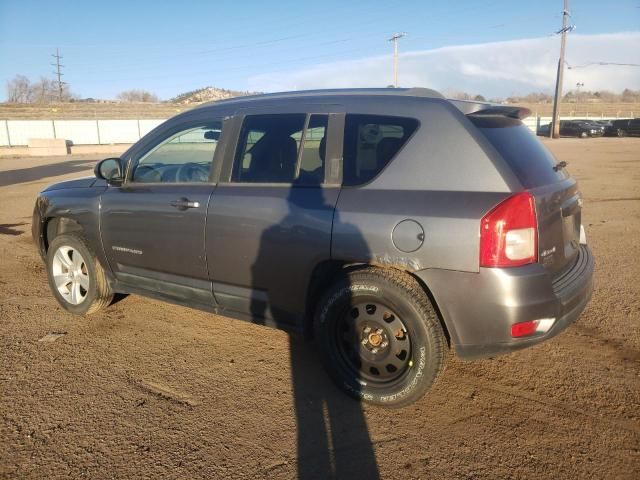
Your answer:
<point x="370" y="142"/>
<point x="312" y="161"/>
<point x="185" y="156"/>
<point x="268" y="148"/>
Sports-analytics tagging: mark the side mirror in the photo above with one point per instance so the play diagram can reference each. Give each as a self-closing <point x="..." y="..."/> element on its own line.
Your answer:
<point x="109" y="169"/>
<point x="212" y="135"/>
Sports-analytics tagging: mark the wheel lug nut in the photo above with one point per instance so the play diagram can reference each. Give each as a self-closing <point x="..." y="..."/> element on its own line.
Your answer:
<point x="367" y="329"/>
<point x="364" y="341"/>
<point x="379" y="331"/>
<point x="375" y="350"/>
<point x="384" y="344"/>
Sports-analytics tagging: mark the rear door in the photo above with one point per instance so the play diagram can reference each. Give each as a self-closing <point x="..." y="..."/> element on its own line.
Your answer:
<point x="269" y="222"/>
<point x="567" y="129"/>
<point x="634" y="127"/>
<point x="153" y="225"/>
<point x="558" y="201"/>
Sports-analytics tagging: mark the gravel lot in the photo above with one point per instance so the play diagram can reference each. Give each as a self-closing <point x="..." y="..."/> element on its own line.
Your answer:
<point x="152" y="390"/>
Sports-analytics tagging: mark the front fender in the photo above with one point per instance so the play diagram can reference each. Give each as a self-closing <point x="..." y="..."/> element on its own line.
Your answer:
<point x="80" y="207"/>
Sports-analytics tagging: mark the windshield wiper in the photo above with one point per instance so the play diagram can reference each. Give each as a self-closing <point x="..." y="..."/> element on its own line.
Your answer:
<point x="559" y="166"/>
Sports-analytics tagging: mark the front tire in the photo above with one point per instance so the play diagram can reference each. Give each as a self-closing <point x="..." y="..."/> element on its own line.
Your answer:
<point x="76" y="278"/>
<point x="379" y="337"/>
<point x="621" y="133"/>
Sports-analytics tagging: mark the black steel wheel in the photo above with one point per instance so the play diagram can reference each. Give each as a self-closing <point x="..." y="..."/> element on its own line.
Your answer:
<point x="374" y="342"/>
<point x="379" y="336"/>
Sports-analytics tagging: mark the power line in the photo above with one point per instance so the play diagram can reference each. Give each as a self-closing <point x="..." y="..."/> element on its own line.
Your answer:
<point x="58" y="73"/>
<point x="572" y="67"/>
<point x="246" y="55"/>
<point x="254" y="66"/>
<point x="147" y="59"/>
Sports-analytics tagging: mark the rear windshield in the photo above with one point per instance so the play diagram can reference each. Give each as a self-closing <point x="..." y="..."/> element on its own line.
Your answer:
<point x="529" y="159"/>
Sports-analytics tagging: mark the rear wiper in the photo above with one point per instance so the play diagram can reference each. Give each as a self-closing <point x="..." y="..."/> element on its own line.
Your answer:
<point x="559" y="166"/>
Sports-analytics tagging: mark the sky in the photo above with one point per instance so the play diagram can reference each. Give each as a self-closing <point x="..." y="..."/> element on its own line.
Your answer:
<point x="495" y="48"/>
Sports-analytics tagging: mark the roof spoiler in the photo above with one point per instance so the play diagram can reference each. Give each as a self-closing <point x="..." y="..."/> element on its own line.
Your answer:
<point x="481" y="108"/>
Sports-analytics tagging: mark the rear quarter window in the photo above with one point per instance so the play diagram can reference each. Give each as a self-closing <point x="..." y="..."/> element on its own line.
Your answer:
<point x="529" y="159"/>
<point x="370" y="143"/>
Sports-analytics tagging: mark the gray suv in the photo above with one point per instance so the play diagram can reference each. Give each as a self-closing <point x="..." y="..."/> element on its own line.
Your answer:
<point x="390" y="225"/>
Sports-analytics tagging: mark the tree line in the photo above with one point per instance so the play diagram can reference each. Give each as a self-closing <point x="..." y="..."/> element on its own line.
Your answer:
<point x="21" y="90"/>
<point x="573" y="96"/>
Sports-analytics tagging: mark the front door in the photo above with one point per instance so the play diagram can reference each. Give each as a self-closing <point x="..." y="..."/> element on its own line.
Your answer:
<point x="269" y="223"/>
<point x="153" y="225"/>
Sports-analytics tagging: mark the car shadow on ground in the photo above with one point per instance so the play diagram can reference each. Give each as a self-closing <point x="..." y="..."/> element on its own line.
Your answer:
<point x="40" y="172"/>
<point x="332" y="435"/>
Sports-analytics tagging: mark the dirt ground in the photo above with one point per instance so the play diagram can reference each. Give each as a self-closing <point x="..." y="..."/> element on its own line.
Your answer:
<point x="151" y="390"/>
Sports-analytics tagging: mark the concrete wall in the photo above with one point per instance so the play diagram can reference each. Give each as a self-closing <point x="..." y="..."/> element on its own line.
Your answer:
<point x="79" y="132"/>
<point x="110" y="132"/>
<point x="21" y="130"/>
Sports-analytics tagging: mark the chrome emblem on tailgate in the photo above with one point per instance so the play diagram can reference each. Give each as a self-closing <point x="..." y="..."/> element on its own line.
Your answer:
<point x="546" y="253"/>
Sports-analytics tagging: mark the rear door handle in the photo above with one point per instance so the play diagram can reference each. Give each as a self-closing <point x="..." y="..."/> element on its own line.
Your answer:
<point x="184" y="203"/>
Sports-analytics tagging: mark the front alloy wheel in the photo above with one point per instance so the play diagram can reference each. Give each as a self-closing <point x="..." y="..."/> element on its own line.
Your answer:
<point x="77" y="280"/>
<point x="70" y="275"/>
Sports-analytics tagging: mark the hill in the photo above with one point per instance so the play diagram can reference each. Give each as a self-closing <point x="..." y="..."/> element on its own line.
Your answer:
<point x="206" y="94"/>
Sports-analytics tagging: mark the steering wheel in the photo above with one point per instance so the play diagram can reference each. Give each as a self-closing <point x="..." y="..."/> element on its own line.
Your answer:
<point x="192" y="172"/>
<point x="146" y="174"/>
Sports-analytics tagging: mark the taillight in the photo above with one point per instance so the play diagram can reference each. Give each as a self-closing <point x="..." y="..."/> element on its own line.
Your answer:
<point x="509" y="233"/>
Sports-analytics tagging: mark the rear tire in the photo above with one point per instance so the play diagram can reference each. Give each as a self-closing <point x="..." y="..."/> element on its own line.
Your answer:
<point x="621" y="133"/>
<point x="379" y="337"/>
<point x="76" y="278"/>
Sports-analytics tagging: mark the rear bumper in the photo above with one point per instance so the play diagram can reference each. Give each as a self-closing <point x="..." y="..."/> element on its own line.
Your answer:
<point x="480" y="308"/>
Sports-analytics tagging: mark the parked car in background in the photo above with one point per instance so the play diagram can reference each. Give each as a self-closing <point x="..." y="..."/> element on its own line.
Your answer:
<point x="389" y="224"/>
<point x="580" y="129"/>
<point x="617" y="128"/>
<point x="633" y="127"/>
<point x="592" y="124"/>
<point x="573" y="128"/>
<point x="543" y="130"/>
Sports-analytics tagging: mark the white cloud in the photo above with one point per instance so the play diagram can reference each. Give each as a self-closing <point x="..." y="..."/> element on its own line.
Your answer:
<point x="494" y="69"/>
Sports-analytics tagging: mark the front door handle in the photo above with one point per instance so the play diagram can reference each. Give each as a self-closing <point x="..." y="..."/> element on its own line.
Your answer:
<point x="184" y="203"/>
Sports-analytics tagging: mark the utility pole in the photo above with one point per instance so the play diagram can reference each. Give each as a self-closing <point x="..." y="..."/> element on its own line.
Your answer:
<point x="554" y="131"/>
<point x="394" y="39"/>
<point x="58" y="73"/>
